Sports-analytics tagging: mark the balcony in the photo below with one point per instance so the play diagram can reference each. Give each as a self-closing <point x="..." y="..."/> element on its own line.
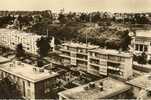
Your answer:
<point x="94" y="64"/>
<point x="82" y="53"/>
<point x="65" y="56"/>
<point x="94" y="72"/>
<point x="82" y="59"/>
<point x="66" y="50"/>
<point x="82" y="67"/>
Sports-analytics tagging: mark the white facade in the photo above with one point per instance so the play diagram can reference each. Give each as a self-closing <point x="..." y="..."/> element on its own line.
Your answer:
<point x="141" y="43"/>
<point x="29" y="79"/>
<point x="110" y="63"/>
<point x="98" y="61"/>
<point x="10" y="38"/>
<point x="76" y="54"/>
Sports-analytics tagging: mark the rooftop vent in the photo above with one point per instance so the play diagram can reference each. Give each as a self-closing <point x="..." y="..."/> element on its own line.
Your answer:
<point x="34" y="69"/>
<point x="101" y="83"/>
<point x="86" y="88"/>
<point x="18" y="63"/>
<point x="149" y="77"/>
<point x="41" y="70"/>
<point x="11" y="65"/>
<point x="100" y="87"/>
<point x="92" y="85"/>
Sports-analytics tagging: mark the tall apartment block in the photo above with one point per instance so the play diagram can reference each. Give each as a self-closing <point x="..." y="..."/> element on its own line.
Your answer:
<point x="10" y="38"/>
<point x="76" y="54"/>
<point x="97" y="61"/>
<point x="110" y="63"/>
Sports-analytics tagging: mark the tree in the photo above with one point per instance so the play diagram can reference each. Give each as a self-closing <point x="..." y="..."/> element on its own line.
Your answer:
<point x="8" y="90"/>
<point x="43" y="46"/>
<point x="96" y="17"/>
<point x="5" y="20"/>
<point x="84" y="17"/>
<point x="20" y="52"/>
<point x="55" y="56"/>
<point x="62" y="18"/>
<point x="142" y="59"/>
<point x="125" y="40"/>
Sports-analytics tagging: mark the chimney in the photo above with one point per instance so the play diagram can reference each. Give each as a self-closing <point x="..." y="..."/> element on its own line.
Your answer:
<point x="101" y="86"/>
<point x="11" y="65"/>
<point x="41" y="70"/>
<point x="92" y="85"/>
<point x="34" y="69"/>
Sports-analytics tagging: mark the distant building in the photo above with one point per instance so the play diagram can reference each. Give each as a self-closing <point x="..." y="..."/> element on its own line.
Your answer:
<point x="76" y="54"/>
<point x="33" y="82"/>
<point x="141" y="42"/>
<point x="110" y="62"/>
<point x="10" y="38"/>
<point x="142" y="86"/>
<point x="107" y="88"/>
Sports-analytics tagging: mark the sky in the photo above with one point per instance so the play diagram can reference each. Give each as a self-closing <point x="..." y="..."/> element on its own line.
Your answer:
<point x="78" y="5"/>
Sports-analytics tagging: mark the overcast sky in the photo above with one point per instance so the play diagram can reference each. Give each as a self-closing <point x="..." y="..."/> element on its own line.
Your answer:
<point x="78" y="5"/>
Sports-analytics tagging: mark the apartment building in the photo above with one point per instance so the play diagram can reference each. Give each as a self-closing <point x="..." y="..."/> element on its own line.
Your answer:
<point x="33" y="82"/>
<point x="110" y="63"/>
<point x="141" y="42"/>
<point x="76" y="54"/>
<point x="107" y="88"/>
<point x="10" y="38"/>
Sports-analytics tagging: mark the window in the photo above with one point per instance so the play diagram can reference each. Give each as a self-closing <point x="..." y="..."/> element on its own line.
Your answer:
<point x="23" y="88"/>
<point x="46" y="86"/>
<point x="136" y="47"/>
<point x="95" y="68"/>
<point x="28" y="92"/>
<point x="28" y="83"/>
<point x="141" y="47"/>
<point x="145" y="48"/>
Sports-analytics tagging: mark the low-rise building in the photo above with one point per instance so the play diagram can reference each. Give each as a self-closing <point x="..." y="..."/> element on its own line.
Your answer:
<point x="141" y="42"/>
<point x="10" y="38"/>
<point x="107" y="88"/>
<point x="142" y="86"/>
<point x="33" y="82"/>
<point x="76" y="54"/>
<point x="110" y="62"/>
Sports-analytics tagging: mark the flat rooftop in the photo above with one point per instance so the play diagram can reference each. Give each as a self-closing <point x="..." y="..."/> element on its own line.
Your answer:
<point x="111" y="87"/>
<point x="26" y="71"/>
<point x="111" y="52"/>
<point x="143" y="33"/>
<point x="141" y="81"/>
<point x="3" y="60"/>
<point x="80" y="45"/>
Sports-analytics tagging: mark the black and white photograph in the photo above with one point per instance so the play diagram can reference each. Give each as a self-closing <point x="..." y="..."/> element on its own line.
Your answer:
<point x="75" y="49"/>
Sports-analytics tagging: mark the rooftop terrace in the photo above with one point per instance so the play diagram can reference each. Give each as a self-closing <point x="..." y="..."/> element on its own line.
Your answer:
<point x="143" y="33"/>
<point x="26" y="71"/>
<point x="80" y="45"/>
<point x="110" y="86"/>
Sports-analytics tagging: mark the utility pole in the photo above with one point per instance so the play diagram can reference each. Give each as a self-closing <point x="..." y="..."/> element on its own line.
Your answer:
<point x="47" y="32"/>
<point x="86" y="39"/>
